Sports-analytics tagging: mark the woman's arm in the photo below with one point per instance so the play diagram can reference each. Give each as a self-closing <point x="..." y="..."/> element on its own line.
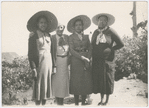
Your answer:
<point x="89" y="48"/>
<point x="117" y="40"/>
<point x="53" y="51"/>
<point x="31" y="52"/>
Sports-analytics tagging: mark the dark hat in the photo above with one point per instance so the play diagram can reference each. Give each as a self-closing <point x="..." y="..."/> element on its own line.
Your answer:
<point x="51" y="18"/>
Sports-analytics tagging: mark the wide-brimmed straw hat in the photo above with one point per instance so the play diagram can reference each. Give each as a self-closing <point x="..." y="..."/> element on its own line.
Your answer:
<point x="86" y="22"/>
<point x="111" y="18"/>
<point x="51" y="18"/>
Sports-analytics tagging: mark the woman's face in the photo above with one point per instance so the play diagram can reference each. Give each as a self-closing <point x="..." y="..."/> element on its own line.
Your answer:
<point x="78" y="26"/>
<point x="42" y="24"/>
<point x="102" y="22"/>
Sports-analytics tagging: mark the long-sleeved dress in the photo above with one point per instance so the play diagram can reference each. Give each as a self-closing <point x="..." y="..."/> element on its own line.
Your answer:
<point x="103" y="69"/>
<point x="40" y="59"/>
<point x="80" y="77"/>
<point x="60" y="80"/>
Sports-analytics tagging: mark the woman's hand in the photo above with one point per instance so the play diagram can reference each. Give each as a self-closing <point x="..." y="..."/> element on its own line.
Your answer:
<point x="85" y="58"/>
<point x="34" y="73"/>
<point x="54" y="70"/>
<point x="31" y="34"/>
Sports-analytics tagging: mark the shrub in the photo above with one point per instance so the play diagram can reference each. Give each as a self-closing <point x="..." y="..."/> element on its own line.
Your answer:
<point x="132" y="58"/>
<point x="16" y="77"/>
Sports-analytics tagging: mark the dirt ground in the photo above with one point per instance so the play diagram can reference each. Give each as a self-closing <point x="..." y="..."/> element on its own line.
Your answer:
<point x="127" y="93"/>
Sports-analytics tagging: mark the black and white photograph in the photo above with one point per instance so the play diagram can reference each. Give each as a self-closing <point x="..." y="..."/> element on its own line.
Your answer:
<point x="74" y="53"/>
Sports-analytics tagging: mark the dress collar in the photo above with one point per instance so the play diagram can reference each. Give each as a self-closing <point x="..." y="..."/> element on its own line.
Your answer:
<point x="40" y="33"/>
<point x="59" y="36"/>
<point x="79" y="33"/>
<point x="101" y="30"/>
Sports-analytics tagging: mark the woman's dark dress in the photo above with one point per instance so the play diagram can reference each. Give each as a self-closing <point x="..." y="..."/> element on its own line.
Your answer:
<point x="101" y="84"/>
<point x="103" y="75"/>
<point x="80" y="79"/>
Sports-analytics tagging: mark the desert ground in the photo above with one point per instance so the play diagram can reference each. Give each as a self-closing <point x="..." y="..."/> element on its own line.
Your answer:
<point x="127" y="93"/>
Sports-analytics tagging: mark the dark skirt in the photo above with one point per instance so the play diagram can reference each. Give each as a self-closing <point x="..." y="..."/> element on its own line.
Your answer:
<point x="103" y="76"/>
<point x="80" y="78"/>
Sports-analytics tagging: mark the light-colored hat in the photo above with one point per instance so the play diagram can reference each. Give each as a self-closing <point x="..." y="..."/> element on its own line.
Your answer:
<point x="52" y="21"/>
<point x="86" y="22"/>
<point x="111" y="18"/>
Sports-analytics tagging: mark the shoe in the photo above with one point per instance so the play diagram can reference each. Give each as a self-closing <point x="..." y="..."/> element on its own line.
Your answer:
<point x="100" y="103"/>
<point x="104" y="103"/>
<point x="85" y="104"/>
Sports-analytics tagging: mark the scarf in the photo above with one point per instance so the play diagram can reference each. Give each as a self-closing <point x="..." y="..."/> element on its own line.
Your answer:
<point x="101" y="37"/>
<point x="61" y="41"/>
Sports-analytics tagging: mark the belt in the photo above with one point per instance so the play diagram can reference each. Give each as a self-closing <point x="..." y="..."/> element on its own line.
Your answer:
<point x="62" y="56"/>
<point x="84" y="50"/>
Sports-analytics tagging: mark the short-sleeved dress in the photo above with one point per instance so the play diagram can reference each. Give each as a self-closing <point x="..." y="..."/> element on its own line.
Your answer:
<point x="42" y="86"/>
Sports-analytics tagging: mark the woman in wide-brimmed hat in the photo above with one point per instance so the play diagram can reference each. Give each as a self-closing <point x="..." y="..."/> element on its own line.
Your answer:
<point x="80" y="49"/>
<point x="39" y="53"/>
<point x="103" y="66"/>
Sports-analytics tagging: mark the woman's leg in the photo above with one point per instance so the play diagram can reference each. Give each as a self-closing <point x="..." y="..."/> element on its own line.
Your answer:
<point x="61" y="101"/>
<point x="83" y="99"/>
<point x="57" y="100"/>
<point x="37" y="102"/>
<point x="43" y="101"/>
<point x="107" y="99"/>
<point x="102" y="96"/>
<point x="76" y="97"/>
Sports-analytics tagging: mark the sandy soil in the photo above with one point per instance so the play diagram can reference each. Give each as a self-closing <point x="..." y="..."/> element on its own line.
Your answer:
<point x="127" y="93"/>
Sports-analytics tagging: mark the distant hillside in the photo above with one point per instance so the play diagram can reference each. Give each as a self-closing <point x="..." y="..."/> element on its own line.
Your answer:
<point x="9" y="56"/>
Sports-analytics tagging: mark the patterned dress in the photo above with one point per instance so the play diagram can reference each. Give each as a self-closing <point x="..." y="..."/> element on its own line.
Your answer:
<point x="42" y="86"/>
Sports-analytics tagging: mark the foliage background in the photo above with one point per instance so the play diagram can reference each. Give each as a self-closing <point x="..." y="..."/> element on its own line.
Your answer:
<point x="131" y="59"/>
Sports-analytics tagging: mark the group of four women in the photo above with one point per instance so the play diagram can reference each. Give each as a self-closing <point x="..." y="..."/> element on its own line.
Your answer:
<point x="91" y="63"/>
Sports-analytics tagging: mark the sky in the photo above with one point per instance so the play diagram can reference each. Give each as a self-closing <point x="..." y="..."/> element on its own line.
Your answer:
<point x="16" y="14"/>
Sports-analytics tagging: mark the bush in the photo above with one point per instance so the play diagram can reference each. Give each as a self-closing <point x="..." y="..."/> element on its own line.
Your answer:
<point x="16" y="77"/>
<point x="132" y="58"/>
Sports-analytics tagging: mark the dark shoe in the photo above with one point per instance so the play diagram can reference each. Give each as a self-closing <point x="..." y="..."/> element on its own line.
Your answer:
<point x="84" y="104"/>
<point x="100" y="103"/>
<point x="104" y="103"/>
